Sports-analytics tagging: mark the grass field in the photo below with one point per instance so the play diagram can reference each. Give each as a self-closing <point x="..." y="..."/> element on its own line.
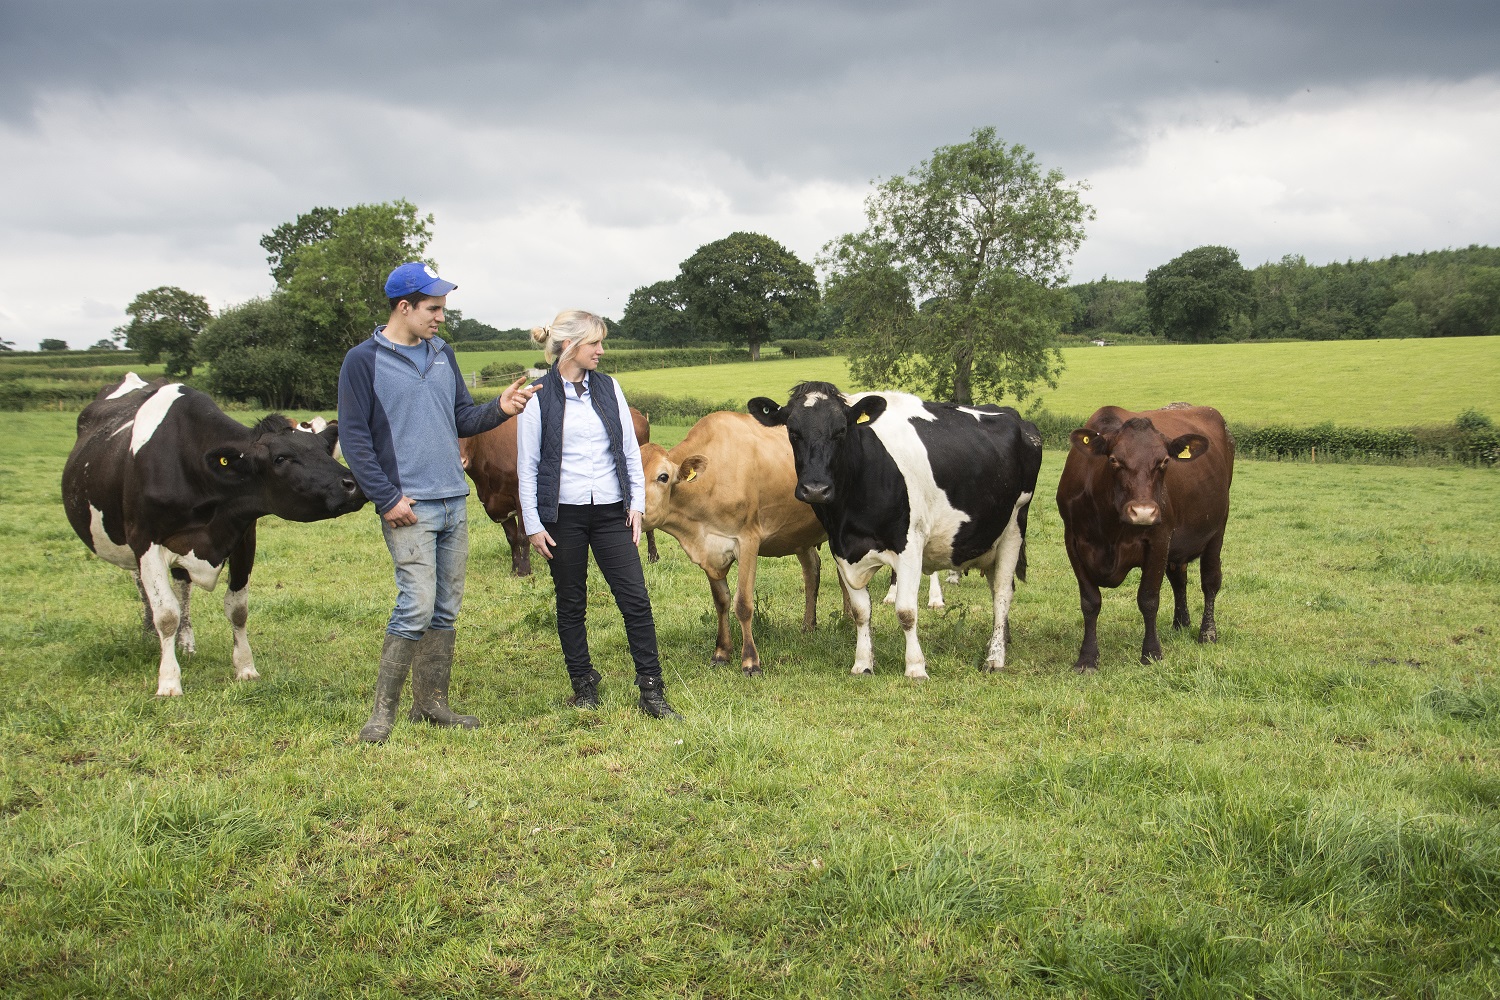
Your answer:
<point x="1307" y="809"/>
<point x="1370" y="383"/>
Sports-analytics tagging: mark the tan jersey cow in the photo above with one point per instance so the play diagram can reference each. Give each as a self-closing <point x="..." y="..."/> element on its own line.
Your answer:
<point x="725" y="493"/>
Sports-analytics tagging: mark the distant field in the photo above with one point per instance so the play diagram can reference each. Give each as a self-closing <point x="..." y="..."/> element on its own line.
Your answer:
<point x="1374" y="383"/>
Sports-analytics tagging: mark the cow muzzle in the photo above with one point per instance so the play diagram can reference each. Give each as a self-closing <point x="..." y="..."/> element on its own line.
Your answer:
<point x="347" y="497"/>
<point x="1142" y="514"/>
<point x="814" y="492"/>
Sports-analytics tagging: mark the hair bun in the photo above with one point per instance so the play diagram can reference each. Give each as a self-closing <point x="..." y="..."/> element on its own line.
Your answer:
<point x="540" y="334"/>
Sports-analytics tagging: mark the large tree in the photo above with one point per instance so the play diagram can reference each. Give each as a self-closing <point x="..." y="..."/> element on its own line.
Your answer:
<point x="164" y="322"/>
<point x="954" y="288"/>
<point x="1196" y="296"/>
<point x="283" y="242"/>
<point x="657" y="314"/>
<point x="338" y="280"/>
<point x="744" y="286"/>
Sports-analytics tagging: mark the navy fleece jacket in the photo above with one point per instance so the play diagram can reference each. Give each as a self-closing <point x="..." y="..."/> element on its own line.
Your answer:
<point x="399" y="421"/>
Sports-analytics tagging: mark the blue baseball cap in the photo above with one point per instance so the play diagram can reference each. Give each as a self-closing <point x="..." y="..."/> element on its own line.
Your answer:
<point x="416" y="277"/>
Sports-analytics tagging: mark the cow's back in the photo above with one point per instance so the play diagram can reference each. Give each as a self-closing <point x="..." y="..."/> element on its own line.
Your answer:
<point x="97" y="474"/>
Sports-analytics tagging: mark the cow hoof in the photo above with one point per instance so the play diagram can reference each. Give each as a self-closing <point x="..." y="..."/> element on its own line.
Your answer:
<point x="1149" y="658"/>
<point x="1086" y="668"/>
<point x="866" y="672"/>
<point x="1209" y="635"/>
<point x="174" y="691"/>
<point x="654" y="557"/>
<point x="936" y="607"/>
<point x="751" y="669"/>
<point x="991" y="668"/>
<point x="247" y="675"/>
<point x="916" y="678"/>
<point x="719" y="661"/>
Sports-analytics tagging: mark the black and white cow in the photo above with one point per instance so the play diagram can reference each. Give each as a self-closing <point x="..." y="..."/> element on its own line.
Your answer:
<point x="917" y="487"/>
<point x="162" y="483"/>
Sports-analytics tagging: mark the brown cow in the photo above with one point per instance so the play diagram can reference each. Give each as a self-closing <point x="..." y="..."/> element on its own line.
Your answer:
<point x="726" y="493"/>
<point x="1150" y="490"/>
<point x="490" y="460"/>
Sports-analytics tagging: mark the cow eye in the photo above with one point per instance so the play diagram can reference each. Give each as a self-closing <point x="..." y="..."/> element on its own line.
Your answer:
<point x="282" y="459"/>
<point x="663" y="478"/>
<point x="1114" y="463"/>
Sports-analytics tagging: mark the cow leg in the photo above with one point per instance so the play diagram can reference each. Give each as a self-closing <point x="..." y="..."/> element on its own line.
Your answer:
<point x="1002" y="579"/>
<point x="156" y="579"/>
<point x="744" y="606"/>
<point x="720" y="590"/>
<point x="520" y="546"/>
<point x="812" y="578"/>
<point x="908" y="582"/>
<point x="237" y="603"/>
<point x="651" y="551"/>
<point x="1211" y="569"/>
<point x="1177" y="577"/>
<point x="935" y="592"/>
<point x="1089" y="602"/>
<point x="1148" y="599"/>
<point x="890" y="595"/>
<point x="184" y="589"/>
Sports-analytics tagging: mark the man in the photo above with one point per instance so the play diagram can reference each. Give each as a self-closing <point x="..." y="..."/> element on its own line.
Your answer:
<point x="402" y="407"/>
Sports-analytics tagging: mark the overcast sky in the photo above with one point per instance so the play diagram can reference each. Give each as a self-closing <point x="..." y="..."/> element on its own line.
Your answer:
<point x="571" y="152"/>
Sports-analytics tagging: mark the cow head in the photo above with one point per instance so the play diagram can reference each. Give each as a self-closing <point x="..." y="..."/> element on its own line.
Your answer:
<point x="663" y="476"/>
<point x="290" y="473"/>
<point x="1137" y="456"/>
<point x="818" y="418"/>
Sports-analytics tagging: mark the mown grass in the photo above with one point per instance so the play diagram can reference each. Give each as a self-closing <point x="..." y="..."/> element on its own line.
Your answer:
<point x="1367" y="383"/>
<point x="1306" y="809"/>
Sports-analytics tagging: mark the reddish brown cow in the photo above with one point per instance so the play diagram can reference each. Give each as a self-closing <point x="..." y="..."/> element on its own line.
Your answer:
<point x="1150" y="490"/>
<point x="727" y="494"/>
<point x="490" y="460"/>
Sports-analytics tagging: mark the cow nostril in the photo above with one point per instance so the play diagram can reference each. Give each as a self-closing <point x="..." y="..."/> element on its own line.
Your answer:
<point x="348" y="484"/>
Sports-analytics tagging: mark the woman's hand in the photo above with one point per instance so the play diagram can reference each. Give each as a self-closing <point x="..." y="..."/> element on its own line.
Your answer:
<point x="633" y="518"/>
<point x="542" y="542"/>
<point x="514" y="399"/>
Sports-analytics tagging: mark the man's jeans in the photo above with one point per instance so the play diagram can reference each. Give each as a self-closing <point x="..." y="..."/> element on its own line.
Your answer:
<point x="431" y="557"/>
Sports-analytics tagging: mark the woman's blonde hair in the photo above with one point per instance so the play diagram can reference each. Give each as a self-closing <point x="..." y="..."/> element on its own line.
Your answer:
<point x="573" y="325"/>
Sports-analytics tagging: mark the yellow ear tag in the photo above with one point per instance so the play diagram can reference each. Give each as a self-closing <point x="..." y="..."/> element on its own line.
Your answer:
<point x="692" y="474"/>
<point x="1185" y="453"/>
<point x="864" y="418"/>
<point x="223" y="460"/>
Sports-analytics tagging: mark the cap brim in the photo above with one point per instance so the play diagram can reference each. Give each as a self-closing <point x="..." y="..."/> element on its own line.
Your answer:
<point x="438" y="287"/>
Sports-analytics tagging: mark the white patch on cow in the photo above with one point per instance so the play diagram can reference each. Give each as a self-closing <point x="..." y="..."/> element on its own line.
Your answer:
<point x="934" y="521"/>
<point x="152" y="412"/>
<point x="128" y="423"/>
<point x="976" y="414"/>
<point x="935" y="593"/>
<point x="200" y="571"/>
<point x="131" y="384"/>
<point x="105" y="547"/>
<point x="813" y="399"/>
<point x="237" y="610"/>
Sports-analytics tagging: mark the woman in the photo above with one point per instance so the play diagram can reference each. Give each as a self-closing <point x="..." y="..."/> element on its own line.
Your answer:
<point x="581" y="486"/>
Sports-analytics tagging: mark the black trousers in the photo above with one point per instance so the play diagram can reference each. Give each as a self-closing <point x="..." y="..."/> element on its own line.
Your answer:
<point x="603" y="528"/>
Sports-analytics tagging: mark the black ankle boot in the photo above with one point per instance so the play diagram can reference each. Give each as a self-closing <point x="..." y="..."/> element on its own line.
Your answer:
<point x="586" y="690"/>
<point x="654" y="699"/>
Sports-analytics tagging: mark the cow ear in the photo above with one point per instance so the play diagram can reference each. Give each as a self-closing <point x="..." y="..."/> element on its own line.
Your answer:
<point x="1187" y="447"/>
<point x="866" y="410"/>
<point x="1089" y="441"/>
<point x="691" y="468"/>
<point x="228" y="463"/>
<point x="330" y="436"/>
<point x="767" y="411"/>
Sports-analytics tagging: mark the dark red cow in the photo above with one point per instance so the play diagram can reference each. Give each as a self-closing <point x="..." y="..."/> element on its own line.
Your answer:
<point x="490" y="460"/>
<point x="1150" y="490"/>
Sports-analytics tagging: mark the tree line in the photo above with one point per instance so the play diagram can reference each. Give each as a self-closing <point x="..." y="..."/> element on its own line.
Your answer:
<point x="1206" y="295"/>
<point x="955" y="289"/>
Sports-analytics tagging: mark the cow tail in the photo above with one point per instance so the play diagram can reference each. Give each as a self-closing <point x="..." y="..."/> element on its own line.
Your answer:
<point x="1021" y="562"/>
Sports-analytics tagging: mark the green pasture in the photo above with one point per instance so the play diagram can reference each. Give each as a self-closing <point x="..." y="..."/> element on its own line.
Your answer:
<point x="1369" y="383"/>
<point x="1306" y="809"/>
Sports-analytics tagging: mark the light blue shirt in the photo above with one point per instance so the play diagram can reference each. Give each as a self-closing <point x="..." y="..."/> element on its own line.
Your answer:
<point x="588" y="469"/>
